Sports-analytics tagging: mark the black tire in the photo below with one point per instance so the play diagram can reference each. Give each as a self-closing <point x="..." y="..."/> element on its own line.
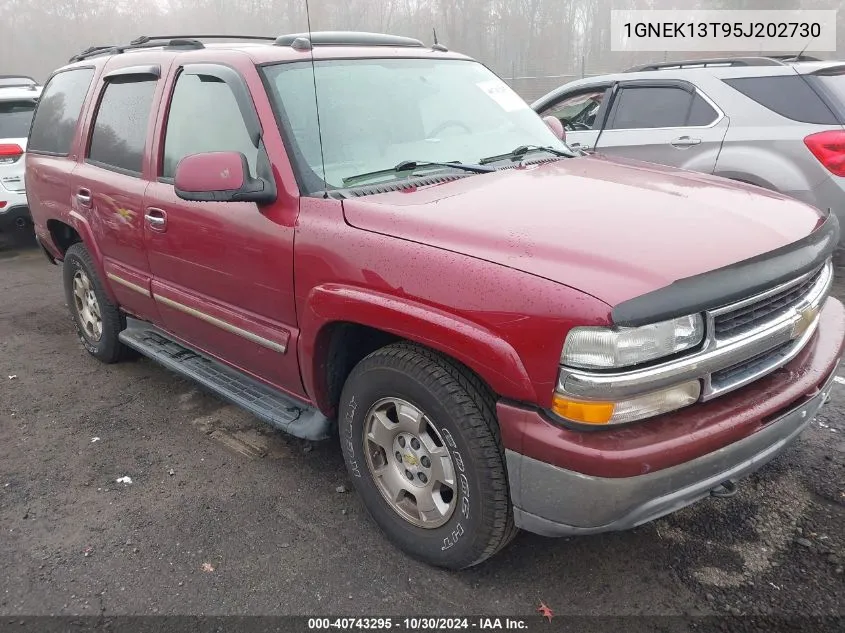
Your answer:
<point x="462" y="408"/>
<point x="108" y="348"/>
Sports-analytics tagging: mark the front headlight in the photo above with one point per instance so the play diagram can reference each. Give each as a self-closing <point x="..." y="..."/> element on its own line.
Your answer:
<point x="628" y="410"/>
<point x="610" y="348"/>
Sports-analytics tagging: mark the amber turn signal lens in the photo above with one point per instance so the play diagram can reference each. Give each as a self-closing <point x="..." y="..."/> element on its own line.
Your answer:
<point x="637" y="408"/>
<point x="583" y="411"/>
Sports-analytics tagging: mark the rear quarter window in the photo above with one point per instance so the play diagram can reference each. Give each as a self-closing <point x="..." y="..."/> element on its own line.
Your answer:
<point x="831" y="83"/>
<point x="58" y="112"/>
<point x="789" y="96"/>
<point x="15" y="118"/>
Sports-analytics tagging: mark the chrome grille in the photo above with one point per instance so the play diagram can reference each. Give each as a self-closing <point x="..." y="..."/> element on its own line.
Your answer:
<point x="749" y="317"/>
<point x="772" y="327"/>
<point x="755" y="366"/>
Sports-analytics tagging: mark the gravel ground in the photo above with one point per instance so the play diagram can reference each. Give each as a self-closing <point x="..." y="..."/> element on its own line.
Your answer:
<point x="225" y="516"/>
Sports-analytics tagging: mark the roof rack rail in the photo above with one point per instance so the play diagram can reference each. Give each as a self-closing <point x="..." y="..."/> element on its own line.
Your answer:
<point x="17" y="81"/>
<point x="141" y="42"/>
<point x="180" y="42"/>
<point x="25" y="77"/>
<point x="148" y="38"/>
<point x="795" y="58"/>
<point x="705" y="63"/>
<point x="304" y="41"/>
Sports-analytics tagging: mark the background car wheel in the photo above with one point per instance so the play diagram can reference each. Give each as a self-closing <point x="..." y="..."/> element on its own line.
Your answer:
<point x="421" y="443"/>
<point x="98" y="321"/>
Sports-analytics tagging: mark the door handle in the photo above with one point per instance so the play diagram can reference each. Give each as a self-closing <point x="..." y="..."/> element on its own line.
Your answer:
<point x="156" y="218"/>
<point x="685" y="141"/>
<point x="83" y="197"/>
<point x="579" y="146"/>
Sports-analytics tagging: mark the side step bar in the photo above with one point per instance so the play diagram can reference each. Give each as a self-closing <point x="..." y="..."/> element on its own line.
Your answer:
<point x="277" y="409"/>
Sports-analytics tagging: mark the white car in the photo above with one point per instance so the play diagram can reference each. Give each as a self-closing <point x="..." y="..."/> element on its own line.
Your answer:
<point x="18" y="96"/>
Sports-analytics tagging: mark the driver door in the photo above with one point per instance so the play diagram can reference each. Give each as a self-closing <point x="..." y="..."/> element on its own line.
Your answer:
<point x="581" y="112"/>
<point x="222" y="271"/>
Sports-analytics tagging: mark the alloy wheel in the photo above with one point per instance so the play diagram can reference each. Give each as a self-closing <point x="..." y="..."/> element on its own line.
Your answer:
<point x="409" y="462"/>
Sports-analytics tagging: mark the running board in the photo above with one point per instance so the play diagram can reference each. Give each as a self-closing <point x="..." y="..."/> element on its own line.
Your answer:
<point x="268" y="404"/>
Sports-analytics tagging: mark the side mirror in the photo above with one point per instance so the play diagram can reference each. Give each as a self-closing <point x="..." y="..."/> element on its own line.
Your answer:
<point x="220" y="177"/>
<point x="555" y="126"/>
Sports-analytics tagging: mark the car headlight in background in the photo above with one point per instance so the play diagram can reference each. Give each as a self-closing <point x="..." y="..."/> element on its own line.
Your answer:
<point x="611" y="348"/>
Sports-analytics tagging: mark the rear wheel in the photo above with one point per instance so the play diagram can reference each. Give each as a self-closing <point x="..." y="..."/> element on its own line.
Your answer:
<point x="421" y="443"/>
<point x="98" y="321"/>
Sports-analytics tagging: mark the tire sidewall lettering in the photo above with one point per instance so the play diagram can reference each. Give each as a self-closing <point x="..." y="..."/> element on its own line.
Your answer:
<point x="452" y="539"/>
<point x="463" y="489"/>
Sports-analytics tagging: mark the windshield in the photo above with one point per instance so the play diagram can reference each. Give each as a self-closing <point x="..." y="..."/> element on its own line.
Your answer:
<point x="15" y="117"/>
<point x="376" y="113"/>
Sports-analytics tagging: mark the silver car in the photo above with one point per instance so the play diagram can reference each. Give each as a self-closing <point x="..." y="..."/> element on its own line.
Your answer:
<point x="772" y="122"/>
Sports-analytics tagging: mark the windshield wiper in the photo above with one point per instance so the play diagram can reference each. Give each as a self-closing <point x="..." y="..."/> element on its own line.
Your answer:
<point x="411" y="165"/>
<point x="522" y="150"/>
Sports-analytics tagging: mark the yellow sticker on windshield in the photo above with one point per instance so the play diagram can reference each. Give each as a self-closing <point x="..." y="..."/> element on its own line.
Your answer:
<point x="502" y="94"/>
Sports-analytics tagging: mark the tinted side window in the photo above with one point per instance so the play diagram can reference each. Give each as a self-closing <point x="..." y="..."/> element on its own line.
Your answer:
<point x="120" y="128"/>
<point x="701" y="113"/>
<point x="15" y="118"/>
<point x="650" y="107"/>
<point x="831" y="83"/>
<point x="788" y="96"/>
<point x="204" y="117"/>
<point x="58" y="112"/>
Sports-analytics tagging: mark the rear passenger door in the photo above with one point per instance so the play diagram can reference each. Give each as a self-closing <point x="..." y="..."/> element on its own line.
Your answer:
<point x="667" y="122"/>
<point x="109" y="185"/>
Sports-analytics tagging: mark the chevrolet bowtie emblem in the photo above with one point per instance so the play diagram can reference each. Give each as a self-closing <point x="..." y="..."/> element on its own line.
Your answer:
<point x="806" y="318"/>
<point x="410" y="459"/>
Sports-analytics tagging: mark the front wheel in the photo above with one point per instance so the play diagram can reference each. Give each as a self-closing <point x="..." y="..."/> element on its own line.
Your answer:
<point x="421" y="442"/>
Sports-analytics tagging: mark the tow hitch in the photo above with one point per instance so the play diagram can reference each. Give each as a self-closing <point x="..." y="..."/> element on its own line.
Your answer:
<point x="724" y="490"/>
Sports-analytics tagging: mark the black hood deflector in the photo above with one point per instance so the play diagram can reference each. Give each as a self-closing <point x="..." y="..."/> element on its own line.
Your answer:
<point x="732" y="283"/>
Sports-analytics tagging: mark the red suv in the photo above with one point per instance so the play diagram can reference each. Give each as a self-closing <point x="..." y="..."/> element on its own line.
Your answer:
<point x="356" y="235"/>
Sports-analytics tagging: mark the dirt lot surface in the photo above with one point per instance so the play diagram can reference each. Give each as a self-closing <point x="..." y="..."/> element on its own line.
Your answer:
<point x="225" y="516"/>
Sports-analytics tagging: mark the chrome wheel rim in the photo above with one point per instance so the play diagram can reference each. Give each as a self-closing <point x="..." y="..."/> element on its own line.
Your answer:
<point x="409" y="463"/>
<point x="87" y="306"/>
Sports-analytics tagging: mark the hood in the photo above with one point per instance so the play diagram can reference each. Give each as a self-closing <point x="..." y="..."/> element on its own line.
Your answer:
<point x="615" y="229"/>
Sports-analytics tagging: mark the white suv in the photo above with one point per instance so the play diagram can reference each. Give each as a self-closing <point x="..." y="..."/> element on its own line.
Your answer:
<point x="18" y="96"/>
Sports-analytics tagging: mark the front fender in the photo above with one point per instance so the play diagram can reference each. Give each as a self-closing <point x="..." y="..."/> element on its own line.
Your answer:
<point x="470" y="343"/>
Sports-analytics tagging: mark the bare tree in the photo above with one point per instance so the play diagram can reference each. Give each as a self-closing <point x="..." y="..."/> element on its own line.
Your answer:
<point x="535" y="44"/>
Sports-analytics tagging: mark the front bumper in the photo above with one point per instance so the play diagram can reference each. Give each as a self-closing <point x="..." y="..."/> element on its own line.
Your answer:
<point x="616" y="480"/>
<point x="559" y="502"/>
